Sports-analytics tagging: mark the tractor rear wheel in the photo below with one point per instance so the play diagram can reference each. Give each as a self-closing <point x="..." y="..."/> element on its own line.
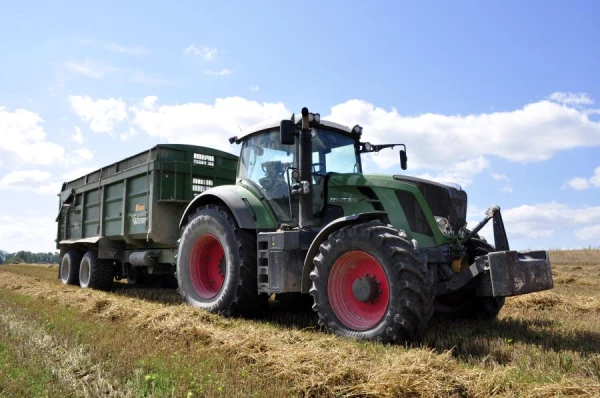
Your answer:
<point x="69" y="267"/>
<point x="370" y="283"/>
<point x="465" y="303"/>
<point x="216" y="264"/>
<point x="95" y="273"/>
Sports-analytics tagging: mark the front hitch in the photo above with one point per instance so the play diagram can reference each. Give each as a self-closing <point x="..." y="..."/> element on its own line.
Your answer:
<point x="500" y="239"/>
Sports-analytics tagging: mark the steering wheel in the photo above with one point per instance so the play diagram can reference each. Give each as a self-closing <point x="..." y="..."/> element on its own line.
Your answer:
<point x="275" y="165"/>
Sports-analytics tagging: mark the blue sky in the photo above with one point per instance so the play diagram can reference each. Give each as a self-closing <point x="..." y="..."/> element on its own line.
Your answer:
<point x="498" y="96"/>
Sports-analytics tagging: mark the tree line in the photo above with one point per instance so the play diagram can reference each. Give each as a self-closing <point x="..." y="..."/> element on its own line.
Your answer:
<point x="28" y="257"/>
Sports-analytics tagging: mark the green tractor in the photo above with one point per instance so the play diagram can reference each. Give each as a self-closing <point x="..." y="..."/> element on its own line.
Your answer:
<point x="377" y="253"/>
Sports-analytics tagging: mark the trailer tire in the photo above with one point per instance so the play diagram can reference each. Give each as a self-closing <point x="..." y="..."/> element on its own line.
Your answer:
<point x="465" y="304"/>
<point x="216" y="264"/>
<point x="69" y="268"/>
<point x="398" y="302"/>
<point x="95" y="273"/>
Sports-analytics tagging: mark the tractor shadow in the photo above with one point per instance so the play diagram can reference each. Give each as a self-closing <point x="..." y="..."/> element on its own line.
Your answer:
<point x="470" y="339"/>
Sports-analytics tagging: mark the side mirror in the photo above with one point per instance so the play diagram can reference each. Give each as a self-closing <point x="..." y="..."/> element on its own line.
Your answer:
<point x="403" y="159"/>
<point x="287" y="132"/>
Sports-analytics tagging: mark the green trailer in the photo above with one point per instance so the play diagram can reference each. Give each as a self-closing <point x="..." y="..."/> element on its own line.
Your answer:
<point x="122" y="220"/>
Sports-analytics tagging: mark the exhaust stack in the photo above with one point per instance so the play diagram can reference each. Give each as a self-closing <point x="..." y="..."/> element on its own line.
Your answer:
<point x="305" y="165"/>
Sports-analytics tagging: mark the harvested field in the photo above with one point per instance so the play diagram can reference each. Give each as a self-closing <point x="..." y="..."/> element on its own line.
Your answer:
<point x="65" y="341"/>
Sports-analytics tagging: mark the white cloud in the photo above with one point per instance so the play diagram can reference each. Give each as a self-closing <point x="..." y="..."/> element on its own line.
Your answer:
<point x="507" y="189"/>
<point x="500" y="177"/>
<point x="595" y="179"/>
<point x="83" y="154"/>
<point x="582" y="183"/>
<point x="571" y="98"/>
<point x="149" y="102"/>
<point x="77" y="136"/>
<point x="76" y="173"/>
<point x="103" y="115"/>
<point x="461" y="173"/>
<point x="207" y="53"/>
<point x="29" y="180"/>
<point x="222" y="72"/>
<point x="542" y="220"/>
<point x="192" y="50"/>
<point x="24" y="140"/>
<point x="577" y="183"/>
<point x="203" y="124"/>
<point x="31" y="233"/>
<point x="91" y="69"/>
<point x="589" y="233"/>
<point x="125" y="136"/>
<point x="440" y="142"/>
<point x="254" y="88"/>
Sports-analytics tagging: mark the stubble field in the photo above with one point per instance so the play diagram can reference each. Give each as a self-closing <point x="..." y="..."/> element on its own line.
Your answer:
<point x="65" y="341"/>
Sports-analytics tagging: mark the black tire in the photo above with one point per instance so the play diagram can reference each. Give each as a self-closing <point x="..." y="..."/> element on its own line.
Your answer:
<point x="69" y="267"/>
<point x="94" y="273"/>
<point x="238" y="290"/>
<point x="411" y="284"/>
<point x="465" y="304"/>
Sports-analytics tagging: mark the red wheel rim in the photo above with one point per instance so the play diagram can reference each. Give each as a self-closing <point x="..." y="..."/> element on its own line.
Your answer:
<point x="354" y="313"/>
<point x="207" y="267"/>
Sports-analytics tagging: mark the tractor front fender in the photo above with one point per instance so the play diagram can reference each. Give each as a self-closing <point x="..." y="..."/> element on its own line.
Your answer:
<point x="228" y="196"/>
<point x="333" y="226"/>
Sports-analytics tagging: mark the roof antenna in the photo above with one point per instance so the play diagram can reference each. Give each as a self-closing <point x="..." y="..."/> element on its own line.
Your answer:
<point x="239" y="128"/>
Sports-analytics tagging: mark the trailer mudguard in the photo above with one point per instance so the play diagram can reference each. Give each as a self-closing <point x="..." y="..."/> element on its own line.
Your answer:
<point x="229" y="196"/>
<point x="324" y="234"/>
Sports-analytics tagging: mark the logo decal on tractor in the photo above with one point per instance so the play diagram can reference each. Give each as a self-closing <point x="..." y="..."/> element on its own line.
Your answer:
<point x="343" y="200"/>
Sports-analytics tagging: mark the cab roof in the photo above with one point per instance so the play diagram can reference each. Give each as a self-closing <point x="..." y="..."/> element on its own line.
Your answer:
<point x="274" y="123"/>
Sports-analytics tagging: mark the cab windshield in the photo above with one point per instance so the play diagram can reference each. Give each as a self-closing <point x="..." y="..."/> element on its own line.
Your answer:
<point x="266" y="163"/>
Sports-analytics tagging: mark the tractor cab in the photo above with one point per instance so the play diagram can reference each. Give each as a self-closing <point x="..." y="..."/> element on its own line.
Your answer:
<point x="270" y="166"/>
<point x="270" y="162"/>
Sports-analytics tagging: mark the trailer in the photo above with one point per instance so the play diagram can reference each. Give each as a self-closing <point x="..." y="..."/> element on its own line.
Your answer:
<point x="121" y="221"/>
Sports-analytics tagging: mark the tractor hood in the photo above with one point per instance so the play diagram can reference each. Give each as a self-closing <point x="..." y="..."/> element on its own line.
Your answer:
<point x="443" y="200"/>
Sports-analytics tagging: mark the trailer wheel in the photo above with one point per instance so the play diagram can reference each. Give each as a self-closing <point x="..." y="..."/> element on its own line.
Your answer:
<point x="466" y="304"/>
<point x="216" y="264"/>
<point x="69" y="267"/>
<point x="370" y="283"/>
<point x="94" y="273"/>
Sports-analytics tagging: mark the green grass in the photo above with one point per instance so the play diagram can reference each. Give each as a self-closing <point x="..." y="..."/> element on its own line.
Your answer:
<point x="126" y="360"/>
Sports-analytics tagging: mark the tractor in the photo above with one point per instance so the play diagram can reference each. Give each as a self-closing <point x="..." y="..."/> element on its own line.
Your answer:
<point x="376" y="254"/>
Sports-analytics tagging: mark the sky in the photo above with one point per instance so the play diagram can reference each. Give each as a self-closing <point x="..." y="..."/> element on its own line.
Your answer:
<point x="500" y="97"/>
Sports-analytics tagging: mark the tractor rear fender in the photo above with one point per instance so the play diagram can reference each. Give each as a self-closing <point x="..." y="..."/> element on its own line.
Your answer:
<point x="228" y="196"/>
<point x="333" y="226"/>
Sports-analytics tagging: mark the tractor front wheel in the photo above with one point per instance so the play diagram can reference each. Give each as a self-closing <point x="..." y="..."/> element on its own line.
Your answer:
<point x="370" y="283"/>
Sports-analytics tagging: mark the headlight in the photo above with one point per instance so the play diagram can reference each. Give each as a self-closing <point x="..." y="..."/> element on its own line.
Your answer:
<point x="444" y="226"/>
